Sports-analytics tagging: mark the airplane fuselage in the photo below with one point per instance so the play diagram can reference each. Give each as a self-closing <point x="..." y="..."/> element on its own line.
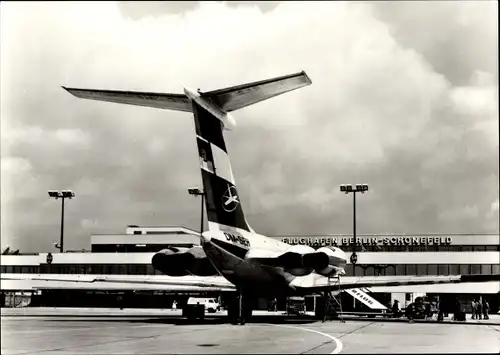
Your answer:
<point x="240" y="257"/>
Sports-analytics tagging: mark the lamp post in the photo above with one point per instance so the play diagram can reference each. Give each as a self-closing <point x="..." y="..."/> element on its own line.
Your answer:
<point x="197" y="192"/>
<point x="348" y="189"/>
<point x="62" y="195"/>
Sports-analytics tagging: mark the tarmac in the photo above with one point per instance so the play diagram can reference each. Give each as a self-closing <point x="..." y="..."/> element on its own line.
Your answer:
<point x="145" y="331"/>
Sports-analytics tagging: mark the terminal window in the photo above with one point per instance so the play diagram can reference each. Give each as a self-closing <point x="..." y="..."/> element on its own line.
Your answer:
<point x="443" y="269"/>
<point x="454" y="269"/>
<point x="422" y="269"/>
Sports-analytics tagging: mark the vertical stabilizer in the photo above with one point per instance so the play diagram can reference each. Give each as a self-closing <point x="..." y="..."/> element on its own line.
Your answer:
<point x="222" y="198"/>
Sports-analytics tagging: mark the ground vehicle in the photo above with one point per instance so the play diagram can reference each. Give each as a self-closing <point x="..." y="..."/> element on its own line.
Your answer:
<point x="420" y="309"/>
<point x="211" y="304"/>
<point x="295" y="305"/>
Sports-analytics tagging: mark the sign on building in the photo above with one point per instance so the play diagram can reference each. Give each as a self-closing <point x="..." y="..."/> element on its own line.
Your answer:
<point x="378" y="240"/>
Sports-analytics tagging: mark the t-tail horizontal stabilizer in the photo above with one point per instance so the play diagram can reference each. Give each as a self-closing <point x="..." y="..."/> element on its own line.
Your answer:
<point x="223" y="100"/>
<point x="211" y="115"/>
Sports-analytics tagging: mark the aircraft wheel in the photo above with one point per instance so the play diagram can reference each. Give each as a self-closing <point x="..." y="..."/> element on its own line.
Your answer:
<point x="233" y="310"/>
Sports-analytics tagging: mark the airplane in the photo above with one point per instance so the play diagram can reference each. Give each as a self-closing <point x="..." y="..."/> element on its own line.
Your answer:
<point x="231" y="254"/>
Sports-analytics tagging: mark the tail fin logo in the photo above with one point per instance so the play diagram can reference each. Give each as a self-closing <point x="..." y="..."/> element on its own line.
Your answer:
<point x="230" y="199"/>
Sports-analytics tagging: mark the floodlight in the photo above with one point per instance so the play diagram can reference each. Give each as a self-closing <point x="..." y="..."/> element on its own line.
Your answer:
<point x="62" y="195"/>
<point x="53" y="193"/>
<point x="68" y="194"/>
<point x="195" y="191"/>
<point x="357" y="188"/>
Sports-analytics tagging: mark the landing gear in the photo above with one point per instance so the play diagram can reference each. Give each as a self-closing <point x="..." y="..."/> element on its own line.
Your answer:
<point x="240" y="308"/>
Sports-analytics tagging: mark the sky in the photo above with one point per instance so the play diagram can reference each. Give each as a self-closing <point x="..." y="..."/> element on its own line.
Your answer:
<point x="404" y="97"/>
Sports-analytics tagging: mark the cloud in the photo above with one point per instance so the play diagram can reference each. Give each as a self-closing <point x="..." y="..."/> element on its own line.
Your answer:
<point x="144" y="9"/>
<point x="475" y="101"/>
<point x="89" y="224"/>
<point x="72" y="136"/>
<point x="404" y="98"/>
<point x="494" y="206"/>
<point x="456" y="39"/>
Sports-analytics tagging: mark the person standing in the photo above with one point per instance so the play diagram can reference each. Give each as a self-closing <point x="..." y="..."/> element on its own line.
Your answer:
<point x="474" y="309"/>
<point x="486" y="309"/>
<point x="428" y="312"/>
<point x="395" y="309"/>
<point x="479" y="309"/>
<point x="410" y="312"/>
<point x="456" y="310"/>
<point x="441" y="306"/>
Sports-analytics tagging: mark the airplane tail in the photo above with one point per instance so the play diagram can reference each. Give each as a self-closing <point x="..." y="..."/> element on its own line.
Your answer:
<point x="221" y="196"/>
<point x="223" y="203"/>
<point x="210" y="109"/>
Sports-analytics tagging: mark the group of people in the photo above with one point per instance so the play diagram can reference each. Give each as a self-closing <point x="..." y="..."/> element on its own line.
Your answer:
<point x="480" y="310"/>
<point x="425" y="310"/>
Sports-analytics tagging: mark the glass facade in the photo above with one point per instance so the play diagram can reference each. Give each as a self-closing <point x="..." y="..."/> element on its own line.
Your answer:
<point x="134" y="248"/>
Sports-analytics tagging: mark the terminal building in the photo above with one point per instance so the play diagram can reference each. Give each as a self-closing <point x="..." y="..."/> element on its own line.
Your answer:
<point x="129" y="255"/>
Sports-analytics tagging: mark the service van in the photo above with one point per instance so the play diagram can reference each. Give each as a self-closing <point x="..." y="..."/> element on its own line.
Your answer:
<point x="211" y="304"/>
